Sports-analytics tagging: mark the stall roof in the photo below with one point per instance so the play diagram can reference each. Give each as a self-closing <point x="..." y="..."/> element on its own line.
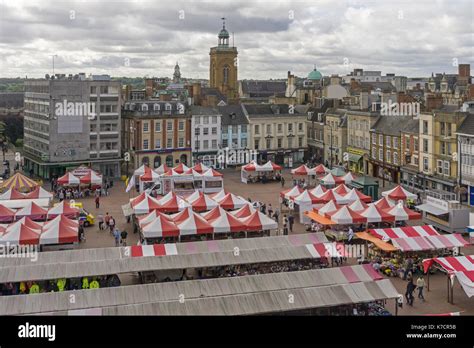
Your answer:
<point x="145" y="294"/>
<point x="98" y="254"/>
<point x="377" y="242"/>
<point x="319" y="218"/>
<point x="145" y="263"/>
<point x="432" y="209"/>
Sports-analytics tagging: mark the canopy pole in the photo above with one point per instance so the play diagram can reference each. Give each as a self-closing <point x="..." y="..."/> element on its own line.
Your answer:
<point x="447" y="277"/>
<point x="428" y="280"/>
<point x="396" y="306"/>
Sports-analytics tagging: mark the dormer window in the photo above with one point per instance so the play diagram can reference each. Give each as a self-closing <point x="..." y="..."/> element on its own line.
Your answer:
<point x="168" y="107"/>
<point x="156" y="107"/>
<point x="144" y="107"/>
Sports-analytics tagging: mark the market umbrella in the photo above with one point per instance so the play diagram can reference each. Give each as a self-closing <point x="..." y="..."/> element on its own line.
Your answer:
<point x="18" y="182"/>
<point x="399" y="193"/>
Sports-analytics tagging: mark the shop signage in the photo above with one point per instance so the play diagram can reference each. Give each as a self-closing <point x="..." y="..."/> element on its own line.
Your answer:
<point x="437" y="202"/>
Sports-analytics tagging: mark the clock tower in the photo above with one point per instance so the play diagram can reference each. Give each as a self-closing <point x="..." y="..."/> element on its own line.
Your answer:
<point x="223" y="66"/>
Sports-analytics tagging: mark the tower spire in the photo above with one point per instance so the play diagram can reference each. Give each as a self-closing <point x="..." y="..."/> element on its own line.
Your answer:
<point x="223" y="22"/>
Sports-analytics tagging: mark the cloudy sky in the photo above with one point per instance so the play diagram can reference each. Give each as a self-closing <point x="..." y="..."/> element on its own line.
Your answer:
<point x="146" y="38"/>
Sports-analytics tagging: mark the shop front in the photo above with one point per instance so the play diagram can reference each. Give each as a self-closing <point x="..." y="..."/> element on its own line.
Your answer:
<point x="355" y="160"/>
<point x="386" y="172"/>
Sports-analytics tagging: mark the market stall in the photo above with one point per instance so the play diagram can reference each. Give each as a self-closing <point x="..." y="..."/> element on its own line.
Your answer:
<point x="399" y="193"/>
<point x="254" y="172"/>
<point x="231" y="202"/>
<point x="331" y="180"/>
<point x="63" y="208"/>
<point x="92" y="178"/>
<point x="11" y="194"/>
<point x="6" y="214"/>
<point x="69" y="179"/>
<point x="33" y="211"/>
<point x="37" y="193"/>
<point x="18" y="182"/>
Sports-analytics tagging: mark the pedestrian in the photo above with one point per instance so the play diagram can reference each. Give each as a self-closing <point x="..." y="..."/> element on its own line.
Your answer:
<point x="285" y="225"/>
<point x="408" y="268"/>
<point x="61" y="195"/>
<point x="409" y="293"/>
<point x="112" y="224"/>
<point x="106" y="220"/>
<point x="263" y="208"/>
<point x="276" y="215"/>
<point x="291" y="221"/>
<point x="100" y="219"/>
<point x="116" y="234"/>
<point x="420" y="284"/>
<point x="123" y="238"/>
<point x="282" y="181"/>
<point x="350" y="235"/>
<point x="97" y="202"/>
<point x="81" y="232"/>
<point x="270" y="210"/>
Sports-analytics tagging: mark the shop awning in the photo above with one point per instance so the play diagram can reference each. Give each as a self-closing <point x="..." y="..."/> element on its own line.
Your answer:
<point x="354" y="158"/>
<point x="318" y="218"/>
<point x="377" y="242"/>
<point x="412" y="244"/>
<point x="432" y="209"/>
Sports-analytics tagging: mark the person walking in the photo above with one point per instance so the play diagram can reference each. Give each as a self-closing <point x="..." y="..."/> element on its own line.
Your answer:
<point x="106" y="220"/>
<point x="112" y="224"/>
<point x="420" y="284"/>
<point x="350" y="235"/>
<point x="291" y="221"/>
<point x="276" y="215"/>
<point x="408" y="268"/>
<point x="285" y="225"/>
<point x="123" y="238"/>
<point x="97" y="202"/>
<point x="100" y="219"/>
<point x="270" y="210"/>
<point x="116" y="234"/>
<point x="81" y="232"/>
<point x="409" y="293"/>
<point x="282" y="180"/>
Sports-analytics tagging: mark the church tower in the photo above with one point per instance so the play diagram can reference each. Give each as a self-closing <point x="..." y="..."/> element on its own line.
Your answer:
<point x="176" y="74"/>
<point x="223" y="66"/>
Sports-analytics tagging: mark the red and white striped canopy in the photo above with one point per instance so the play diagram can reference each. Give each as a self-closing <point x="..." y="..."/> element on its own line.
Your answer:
<point x="149" y="175"/>
<point x="301" y="170"/>
<point x="402" y="213"/>
<point x="181" y="168"/>
<point x="320" y="169"/>
<point x="267" y="167"/>
<point x="291" y="193"/>
<point x="307" y="197"/>
<point x="342" y="189"/>
<point x="384" y="203"/>
<point x="355" y="194"/>
<point x="162" y="169"/>
<point x="251" y="167"/>
<point x="203" y="203"/>
<point x="330" y="179"/>
<point x="404" y="232"/>
<point x="172" y="203"/>
<point x="348" y="178"/>
<point x="172" y="172"/>
<point x="375" y="214"/>
<point x="160" y="227"/>
<point x="135" y="200"/>
<point x="142" y="221"/>
<point x="63" y="208"/>
<point x="20" y="234"/>
<point x="92" y="178"/>
<point x="211" y="173"/>
<point x="244" y="212"/>
<point x="460" y="266"/>
<point x="146" y="205"/>
<point x="27" y="222"/>
<point x="231" y="201"/>
<point x="195" y="224"/>
<point x="193" y="196"/>
<point x="140" y="171"/>
<point x="32" y="210"/>
<point x="328" y="207"/>
<point x="12" y="194"/>
<point x="62" y="219"/>
<point x="332" y="196"/>
<point x="6" y="214"/>
<point x="318" y="190"/>
<point x="412" y="244"/>
<point x="192" y="172"/>
<point x="152" y="250"/>
<point x="346" y="215"/>
<point x="214" y="213"/>
<point x="68" y="179"/>
<point x="59" y="232"/>
<point x="182" y="215"/>
<point x="358" y="206"/>
<point x="399" y="193"/>
<point x="227" y="223"/>
<point x="218" y="195"/>
<point x="259" y="222"/>
<point x="447" y="241"/>
<point x="200" y="168"/>
<point x="39" y="192"/>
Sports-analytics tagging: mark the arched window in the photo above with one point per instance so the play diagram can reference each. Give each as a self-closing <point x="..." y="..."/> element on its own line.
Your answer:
<point x="157" y="161"/>
<point x="168" y="107"/>
<point x="226" y="74"/>
<point x="169" y="161"/>
<point x="144" y="107"/>
<point x="156" y="107"/>
<point x="146" y="161"/>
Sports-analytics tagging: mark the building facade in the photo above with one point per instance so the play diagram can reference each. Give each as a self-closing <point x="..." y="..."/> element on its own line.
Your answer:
<point x="385" y="149"/>
<point x="277" y="133"/>
<point x="335" y="133"/>
<point x="465" y="138"/>
<point x="410" y="158"/>
<point x="359" y="125"/>
<point x="235" y="135"/>
<point x="206" y="135"/>
<point x="71" y="121"/>
<point x="156" y="133"/>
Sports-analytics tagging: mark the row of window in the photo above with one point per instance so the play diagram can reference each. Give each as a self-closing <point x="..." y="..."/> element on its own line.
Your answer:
<point x="234" y="143"/>
<point x="234" y="129"/>
<point x="169" y="143"/>
<point x="389" y="141"/>
<point x="269" y="127"/>
<point x="358" y="125"/>
<point x="205" y="131"/>
<point x="206" y="119"/>
<point x="279" y="144"/>
<point x="169" y="126"/>
<point x="157" y="107"/>
<point x="388" y="156"/>
<point x="359" y="141"/>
